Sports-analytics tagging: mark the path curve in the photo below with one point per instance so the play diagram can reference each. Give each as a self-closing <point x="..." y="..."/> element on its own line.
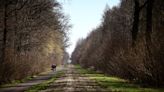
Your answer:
<point x="24" y="86"/>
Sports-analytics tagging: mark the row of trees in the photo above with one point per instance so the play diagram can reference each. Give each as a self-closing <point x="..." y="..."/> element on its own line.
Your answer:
<point x="33" y="35"/>
<point x="128" y="43"/>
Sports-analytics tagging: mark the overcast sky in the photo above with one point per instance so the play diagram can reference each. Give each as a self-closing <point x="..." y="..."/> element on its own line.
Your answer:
<point x="85" y="15"/>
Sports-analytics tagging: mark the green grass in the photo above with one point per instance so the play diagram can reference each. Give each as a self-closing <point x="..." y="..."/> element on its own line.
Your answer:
<point x="45" y="84"/>
<point x="114" y="84"/>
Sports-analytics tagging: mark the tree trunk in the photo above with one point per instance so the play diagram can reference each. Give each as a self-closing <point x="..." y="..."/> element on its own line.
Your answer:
<point x="4" y="33"/>
<point x="135" y="22"/>
<point x="149" y="45"/>
<point x="149" y="20"/>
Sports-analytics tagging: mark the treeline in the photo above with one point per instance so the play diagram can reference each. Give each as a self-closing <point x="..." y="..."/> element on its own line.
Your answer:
<point x="129" y="43"/>
<point x="33" y="35"/>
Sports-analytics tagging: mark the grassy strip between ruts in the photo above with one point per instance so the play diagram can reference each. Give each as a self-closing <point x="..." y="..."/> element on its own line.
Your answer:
<point x="114" y="84"/>
<point x="46" y="84"/>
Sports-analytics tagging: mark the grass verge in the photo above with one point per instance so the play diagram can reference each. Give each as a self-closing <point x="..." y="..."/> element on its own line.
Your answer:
<point x="45" y="84"/>
<point x="28" y="78"/>
<point x="15" y="82"/>
<point x="114" y="84"/>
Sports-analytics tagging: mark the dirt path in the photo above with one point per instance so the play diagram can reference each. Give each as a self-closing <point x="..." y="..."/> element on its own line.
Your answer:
<point x="74" y="82"/>
<point x="23" y="86"/>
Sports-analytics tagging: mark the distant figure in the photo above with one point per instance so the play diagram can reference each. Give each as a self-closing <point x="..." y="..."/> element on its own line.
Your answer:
<point x="53" y="67"/>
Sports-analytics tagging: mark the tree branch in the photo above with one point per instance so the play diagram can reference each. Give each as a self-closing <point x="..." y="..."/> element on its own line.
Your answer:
<point x="143" y="5"/>
<point x="17" y="9"/>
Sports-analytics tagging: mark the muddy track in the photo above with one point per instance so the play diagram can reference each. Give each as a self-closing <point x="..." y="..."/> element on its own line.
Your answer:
<point x="72" y="81"/>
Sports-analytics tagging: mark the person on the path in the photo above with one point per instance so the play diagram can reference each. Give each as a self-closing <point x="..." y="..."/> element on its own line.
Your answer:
<point x="53" y="67"/>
